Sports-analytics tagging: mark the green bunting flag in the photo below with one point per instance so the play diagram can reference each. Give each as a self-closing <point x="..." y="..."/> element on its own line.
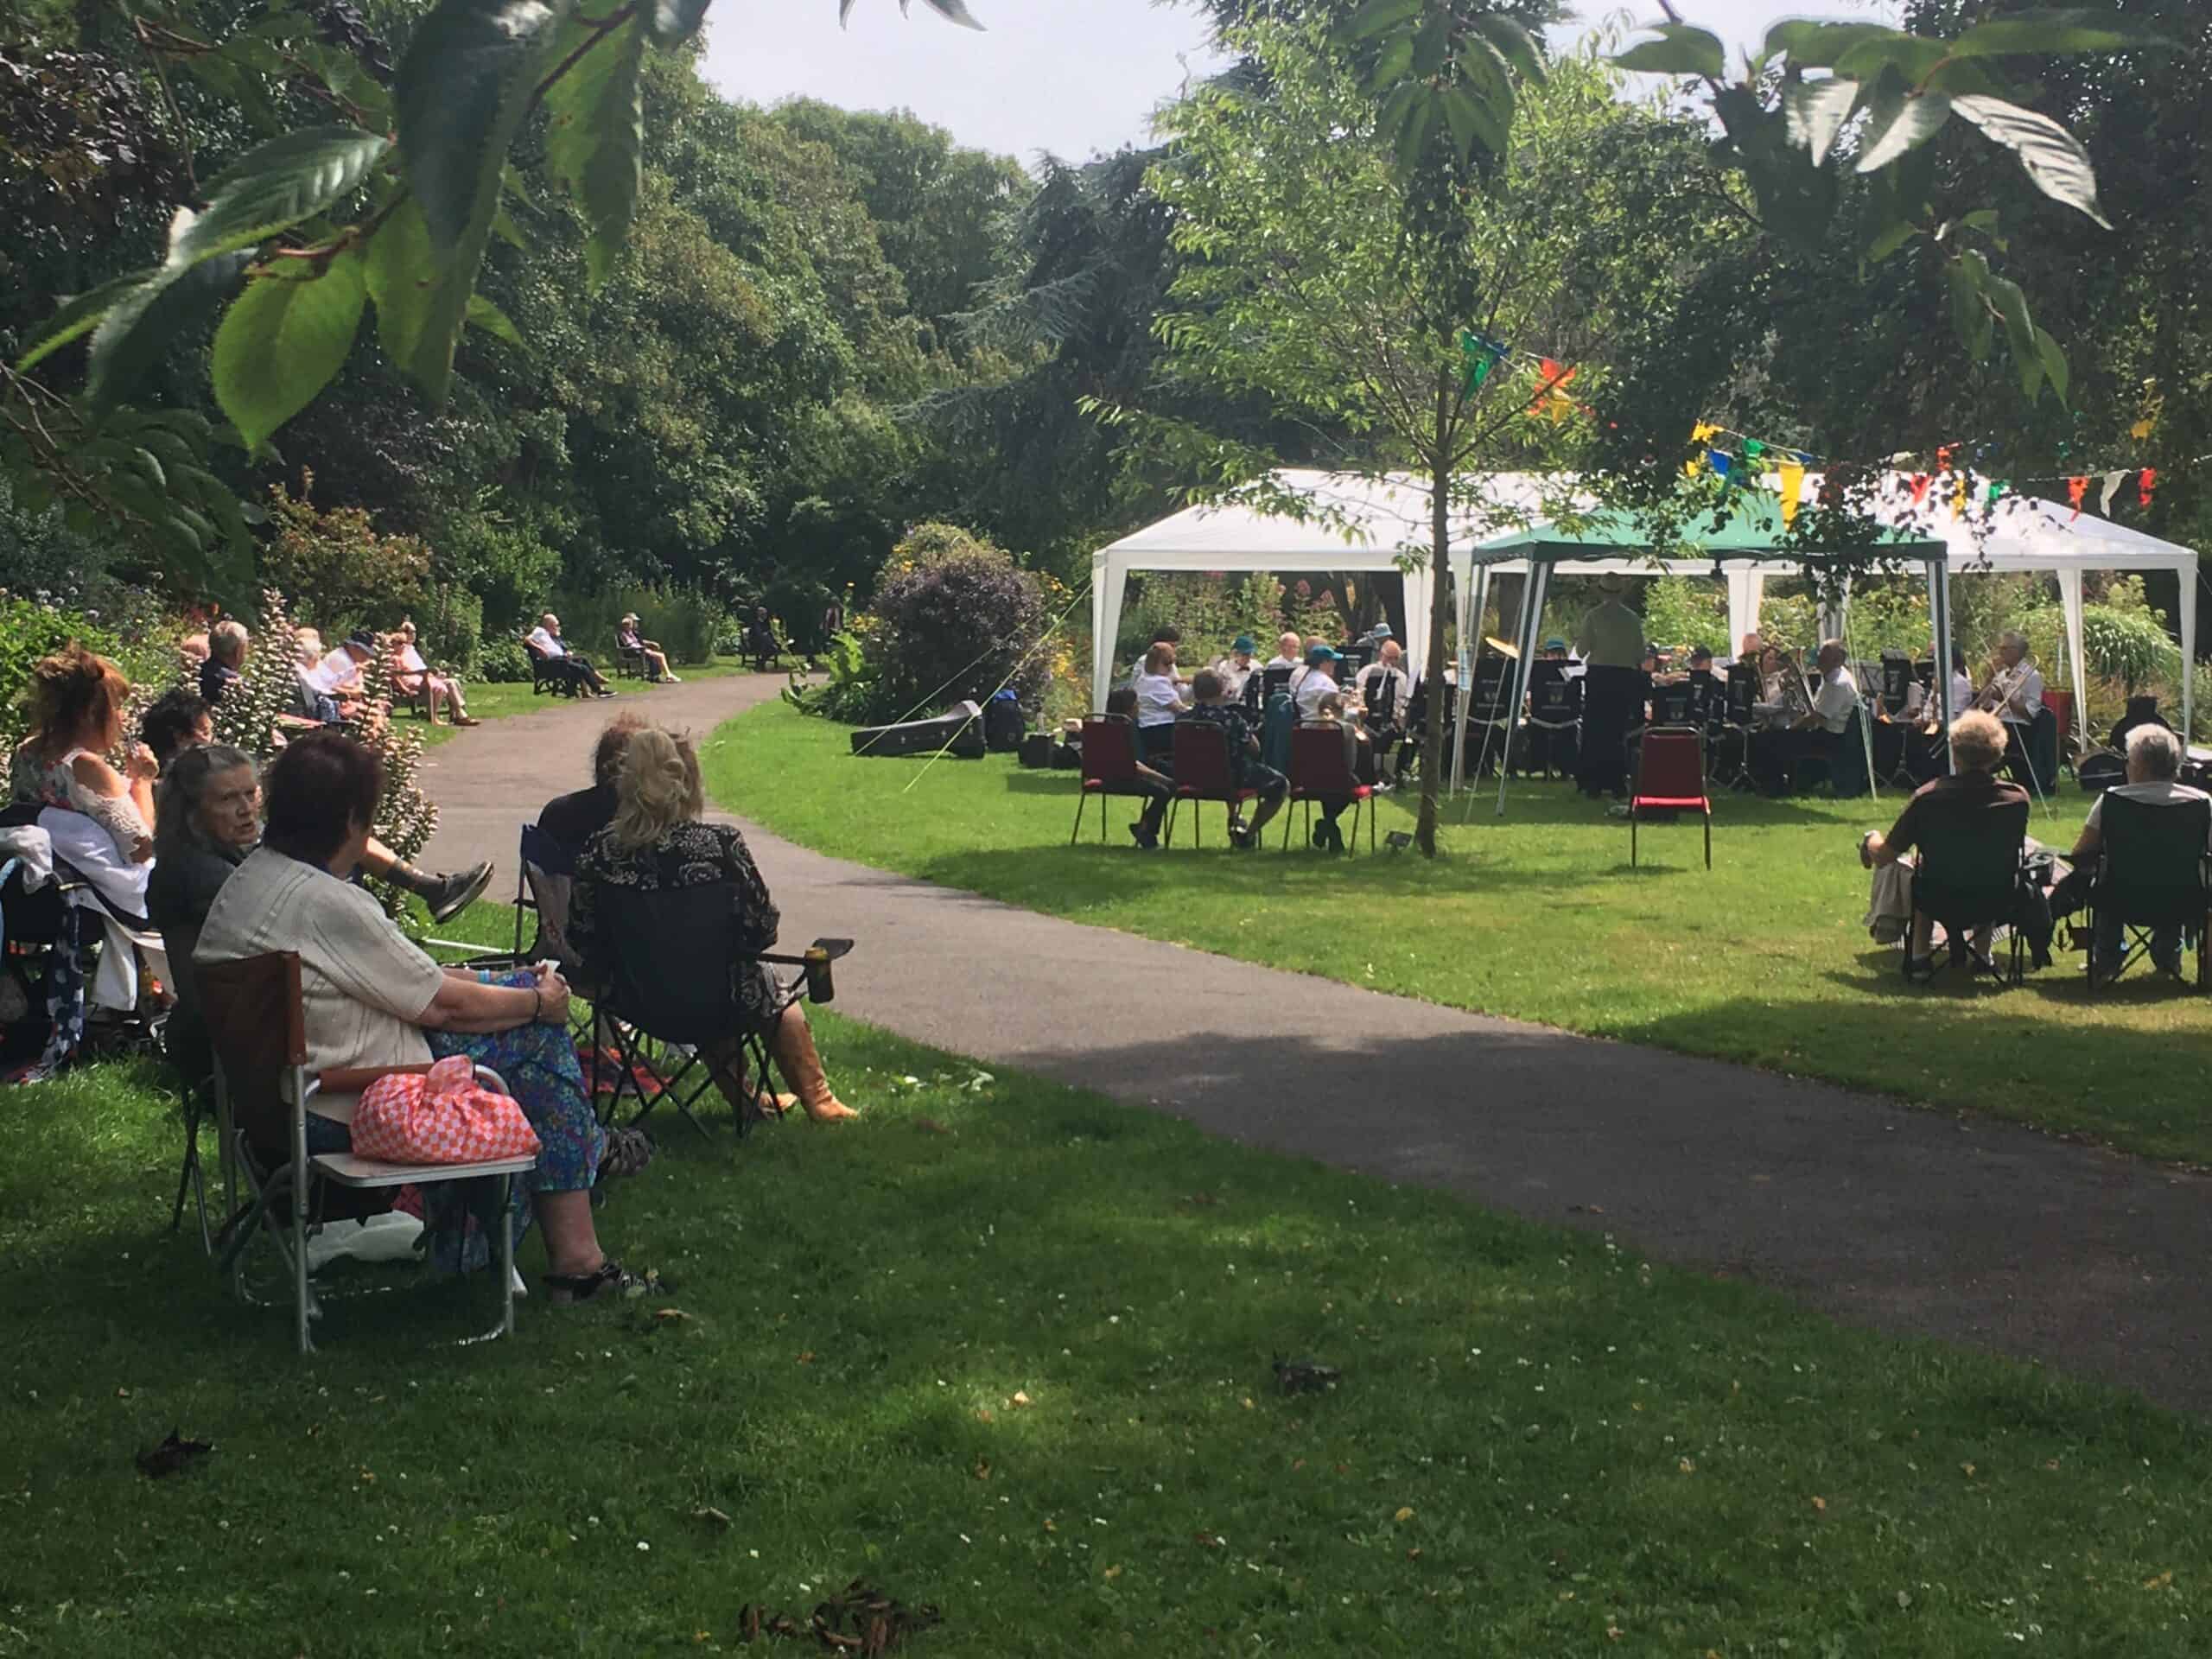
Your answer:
<point x="1483" y="355"/>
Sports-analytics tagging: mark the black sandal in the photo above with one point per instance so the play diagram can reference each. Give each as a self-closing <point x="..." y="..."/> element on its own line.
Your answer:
<point x="562" y="1290"/>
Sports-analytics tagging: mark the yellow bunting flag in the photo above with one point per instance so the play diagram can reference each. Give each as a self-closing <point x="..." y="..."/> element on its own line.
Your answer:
<point x="1700" y="434"/>
<point x="1793" y="487"/>
<point x="1958" y="496"/>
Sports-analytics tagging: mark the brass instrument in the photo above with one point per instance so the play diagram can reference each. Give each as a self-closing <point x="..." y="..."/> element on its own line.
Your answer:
<point x="2002" y="684"/>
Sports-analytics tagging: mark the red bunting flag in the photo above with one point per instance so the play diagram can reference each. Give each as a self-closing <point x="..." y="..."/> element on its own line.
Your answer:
<point x="1552" y="381"/>
<point x="2149" y="483"/>
<point x="1920" y="483"/>
<point x="2076" y="489"/>
<point x="1943" y="457"/>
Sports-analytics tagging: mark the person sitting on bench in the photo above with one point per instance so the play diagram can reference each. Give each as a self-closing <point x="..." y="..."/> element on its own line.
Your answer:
<point x="1217" y="708"/>
<point x="573" y="666"/>
<point x="650" y="655"/>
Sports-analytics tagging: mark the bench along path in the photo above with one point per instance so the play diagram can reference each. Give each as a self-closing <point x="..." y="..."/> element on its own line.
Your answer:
<point x="1905" y="1220"/>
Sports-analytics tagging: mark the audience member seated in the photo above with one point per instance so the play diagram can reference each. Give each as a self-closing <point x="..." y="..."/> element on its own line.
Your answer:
<point x="649" y="650"/>
<point x="1156" y="781"/>
<point x="2154" y="761"/>
<point x="1316" y="680"/>
<point x="208" y="819"/>
<point x="312" y="704"/>
<point x="544" y="640"/>
<point x="1978" y="753"/>
<point x="227" y="647"/>
<point x="1358" y="762"/>
<point x="1213" y="705"/>
<point x="178" y="720"/>
<point x="2141" y="711"/>
<point x="412" y="676"/>
<point x="657" y="841"/>
<point x="372" y="999"/>
<point x="444" y="896"/>
<point x="77" y="701"/>
<point x="1818" y="734"/>
<point x="1289" y="653"/>
<point x="1160" y="702"/>
<point x="573" y="819"/>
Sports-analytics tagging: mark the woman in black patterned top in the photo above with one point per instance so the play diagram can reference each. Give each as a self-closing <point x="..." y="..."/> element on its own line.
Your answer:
<point x="658" y="842"/>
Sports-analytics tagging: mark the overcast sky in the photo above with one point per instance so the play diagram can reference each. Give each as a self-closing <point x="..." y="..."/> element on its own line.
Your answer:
<point x="1068" y="76"/>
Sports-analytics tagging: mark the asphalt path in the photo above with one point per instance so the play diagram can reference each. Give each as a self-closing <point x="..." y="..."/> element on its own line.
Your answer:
<point x="1912" y="1221"/>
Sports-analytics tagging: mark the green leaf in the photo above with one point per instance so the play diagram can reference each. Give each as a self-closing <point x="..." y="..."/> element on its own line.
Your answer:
<point x="488" y="317"/>
<point x="670" y="22"/>
<point x="1815" y="112"/>
<point x="464" y="88"/>
<point x="1412" y="134"/>
<point x="141" y="326"/>
<point x="2054" y="362"/>
<point x="1899" y="123"/>
<point x="283" y="340"/>
<point x="1475" y="127"/>
<point x="1887" y="240"/>
<point x="275" y="187"/>
<point x="2019" y="332"/>
<point x="1391" y="66"/>
<point x="1970" y="314"/>
<point x="2053" y="159"/>
<point x="2050" y="33"/>
<point x="595" y="140"/>
<point x="401" y="272"/>
<point x="1914" y="58"/>
<point x="1681" y="50"/>
<point x="1982" y="219"/>
<point x="1514" y="43"/>
<point x="78" y="316"/>
<point x="1817" y="45"/>
<point x="951" y="9"/>
<point x="1377" y="16"/>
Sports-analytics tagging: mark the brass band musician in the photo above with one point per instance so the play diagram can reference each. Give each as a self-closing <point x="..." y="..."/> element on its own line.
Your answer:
<point x="2013" y="689"/>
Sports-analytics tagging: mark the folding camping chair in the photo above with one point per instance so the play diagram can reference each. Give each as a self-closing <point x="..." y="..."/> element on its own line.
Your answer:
<point x="1967" y="875"/>
<point x="1318" y="770"/>
<point x="2151" y="873"/>
<point x="1109" y="767"/>
<point x="1203" y="774"/>
<point x="1670" y="777"/>
<point x="256" y="1023"/>
<point x="50" y="944"/>
<point x="668" y="983"/>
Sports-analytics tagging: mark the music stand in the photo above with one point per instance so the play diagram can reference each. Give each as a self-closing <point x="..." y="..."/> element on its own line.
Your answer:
<point x="1273" y="680"/>
<point x="1674" y="704"/>
<point x="1555" y="714"/>
<point x="1355" y="658"/>
<point x="1897" y="681"/>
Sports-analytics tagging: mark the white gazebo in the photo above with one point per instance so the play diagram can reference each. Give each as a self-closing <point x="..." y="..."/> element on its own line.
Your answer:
<point x="1522" y="522"/>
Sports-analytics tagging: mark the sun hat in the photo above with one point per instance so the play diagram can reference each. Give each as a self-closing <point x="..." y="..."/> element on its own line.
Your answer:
<point x="1316" y="655"/>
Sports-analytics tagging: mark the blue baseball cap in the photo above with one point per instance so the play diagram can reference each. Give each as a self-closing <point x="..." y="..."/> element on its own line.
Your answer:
<point x="1316" y="655"/>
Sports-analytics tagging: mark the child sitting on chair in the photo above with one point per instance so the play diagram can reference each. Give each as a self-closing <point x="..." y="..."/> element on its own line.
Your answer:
<point x="1121" y="702"/>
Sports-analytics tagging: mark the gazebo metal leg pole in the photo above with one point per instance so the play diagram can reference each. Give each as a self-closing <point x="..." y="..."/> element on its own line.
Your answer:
<point x="1939" y="606"/>
<point x="1532" y="611"/>
<point x="1471" y="621"/>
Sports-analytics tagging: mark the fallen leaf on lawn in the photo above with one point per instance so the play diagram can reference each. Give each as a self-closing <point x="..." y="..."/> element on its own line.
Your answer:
<point x="806" y="1357"/>
<point x="1208" y="1540"/>
<point x="1822" y="1504"/>
<point x="171" y="1455"/>
<point x="1113" y="1573"/>
<point x="1613" y="1633"/>
<point x="2161" y="1582"/>
<point x="712" y="1515"/>
<point x="1966" y="1469"/>
<point x="984" y="1414"/>
<point x="1298" y="1463"/>
<point x="1404" y="1515"/>
<point x="1904" y="1599"/>
<point x="1247" y="1402"/>
<point x="670" y="1313"/>
<point x="1019" y="1399"/>
<point x="1050" y="1525"/>
<point x="982" y="1468"/>
<point x="1688" y="1467"/>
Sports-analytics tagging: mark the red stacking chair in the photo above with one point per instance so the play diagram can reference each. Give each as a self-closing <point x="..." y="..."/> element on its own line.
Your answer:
<point x="1670" y="777"/>
<point x="1202" y="774"/>
<point x="1317" y="769"/>
<point x="1109" y="767"/>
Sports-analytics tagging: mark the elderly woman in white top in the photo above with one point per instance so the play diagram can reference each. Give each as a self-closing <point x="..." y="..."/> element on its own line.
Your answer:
<point x="411" y="676"/>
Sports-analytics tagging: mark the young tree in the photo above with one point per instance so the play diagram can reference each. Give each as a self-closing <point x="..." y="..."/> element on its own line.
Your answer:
<point x="1371" y="301"/>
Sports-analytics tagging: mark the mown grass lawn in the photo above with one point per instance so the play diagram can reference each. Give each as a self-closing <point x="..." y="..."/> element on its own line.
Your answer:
<point x="489" y="701"/>
<point x="1006" y="1349"/>
<point x="1539" y="916"/>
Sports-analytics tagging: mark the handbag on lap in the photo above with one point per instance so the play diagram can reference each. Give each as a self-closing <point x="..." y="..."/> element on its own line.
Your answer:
<point x="440" y="1117"/>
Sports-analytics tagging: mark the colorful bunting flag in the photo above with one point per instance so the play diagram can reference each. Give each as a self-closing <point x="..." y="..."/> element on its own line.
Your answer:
<point x="1483" y="355"/>
<point x="2075" y="489"/>
<point x="1552" y="379"/>
<point x="1793" y="487"/>
<point x="1921" y="481"/>
<point x="1723" y="464"/>
<point x="2112" y="488"/>
<point x="1997" y="486"/>
<point x="2149" y="483"/>
<point x="1700" y="434"/>
<point x="1958" y="496"/>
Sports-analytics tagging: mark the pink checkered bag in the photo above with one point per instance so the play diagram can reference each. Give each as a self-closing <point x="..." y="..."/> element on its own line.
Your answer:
<point x="439" y="1118"/>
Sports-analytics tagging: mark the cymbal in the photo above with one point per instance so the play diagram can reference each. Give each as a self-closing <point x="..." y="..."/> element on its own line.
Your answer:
<point x="1503" y="647"/>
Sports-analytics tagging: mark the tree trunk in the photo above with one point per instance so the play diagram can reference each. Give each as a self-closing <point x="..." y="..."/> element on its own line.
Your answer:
<point x="1439" y="617"/>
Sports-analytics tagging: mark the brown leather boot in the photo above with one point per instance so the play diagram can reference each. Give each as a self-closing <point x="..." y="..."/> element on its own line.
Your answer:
<point x="792" y="1045"/>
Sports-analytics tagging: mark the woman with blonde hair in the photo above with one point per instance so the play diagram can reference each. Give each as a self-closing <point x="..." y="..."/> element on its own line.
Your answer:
<point x="78" y="701"/>
<point x="658" y="842"/>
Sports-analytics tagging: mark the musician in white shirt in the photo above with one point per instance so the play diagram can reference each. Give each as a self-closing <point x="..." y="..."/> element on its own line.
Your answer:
<point x="1387" y="731"/>
<point x="1317" y="680"/>
<point x="1287" y="653"/>
<point x="2014" y="693"/>
<point x="1819" y="731"/>
<point x="1237" y="667"/>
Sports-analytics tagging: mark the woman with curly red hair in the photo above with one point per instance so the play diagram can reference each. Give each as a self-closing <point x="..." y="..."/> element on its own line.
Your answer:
<point x="77" y="709"/>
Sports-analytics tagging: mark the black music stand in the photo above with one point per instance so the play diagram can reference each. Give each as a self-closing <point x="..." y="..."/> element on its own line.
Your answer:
<point x="1739" y="718"/>
<point x="1355" y="658"/>
<point x="1273" y="680"/>
<point x="1487" y="711"/>
<point x="1896" y="682"/>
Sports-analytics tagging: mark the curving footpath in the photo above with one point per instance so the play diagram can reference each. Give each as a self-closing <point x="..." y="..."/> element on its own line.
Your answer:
<point x="1911" y="1222"/>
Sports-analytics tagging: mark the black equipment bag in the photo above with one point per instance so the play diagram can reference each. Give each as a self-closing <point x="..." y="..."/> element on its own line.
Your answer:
<point x="1003" y="725"/>
<point x="2099" y="773"/>
<point x="1036" y="749"/>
